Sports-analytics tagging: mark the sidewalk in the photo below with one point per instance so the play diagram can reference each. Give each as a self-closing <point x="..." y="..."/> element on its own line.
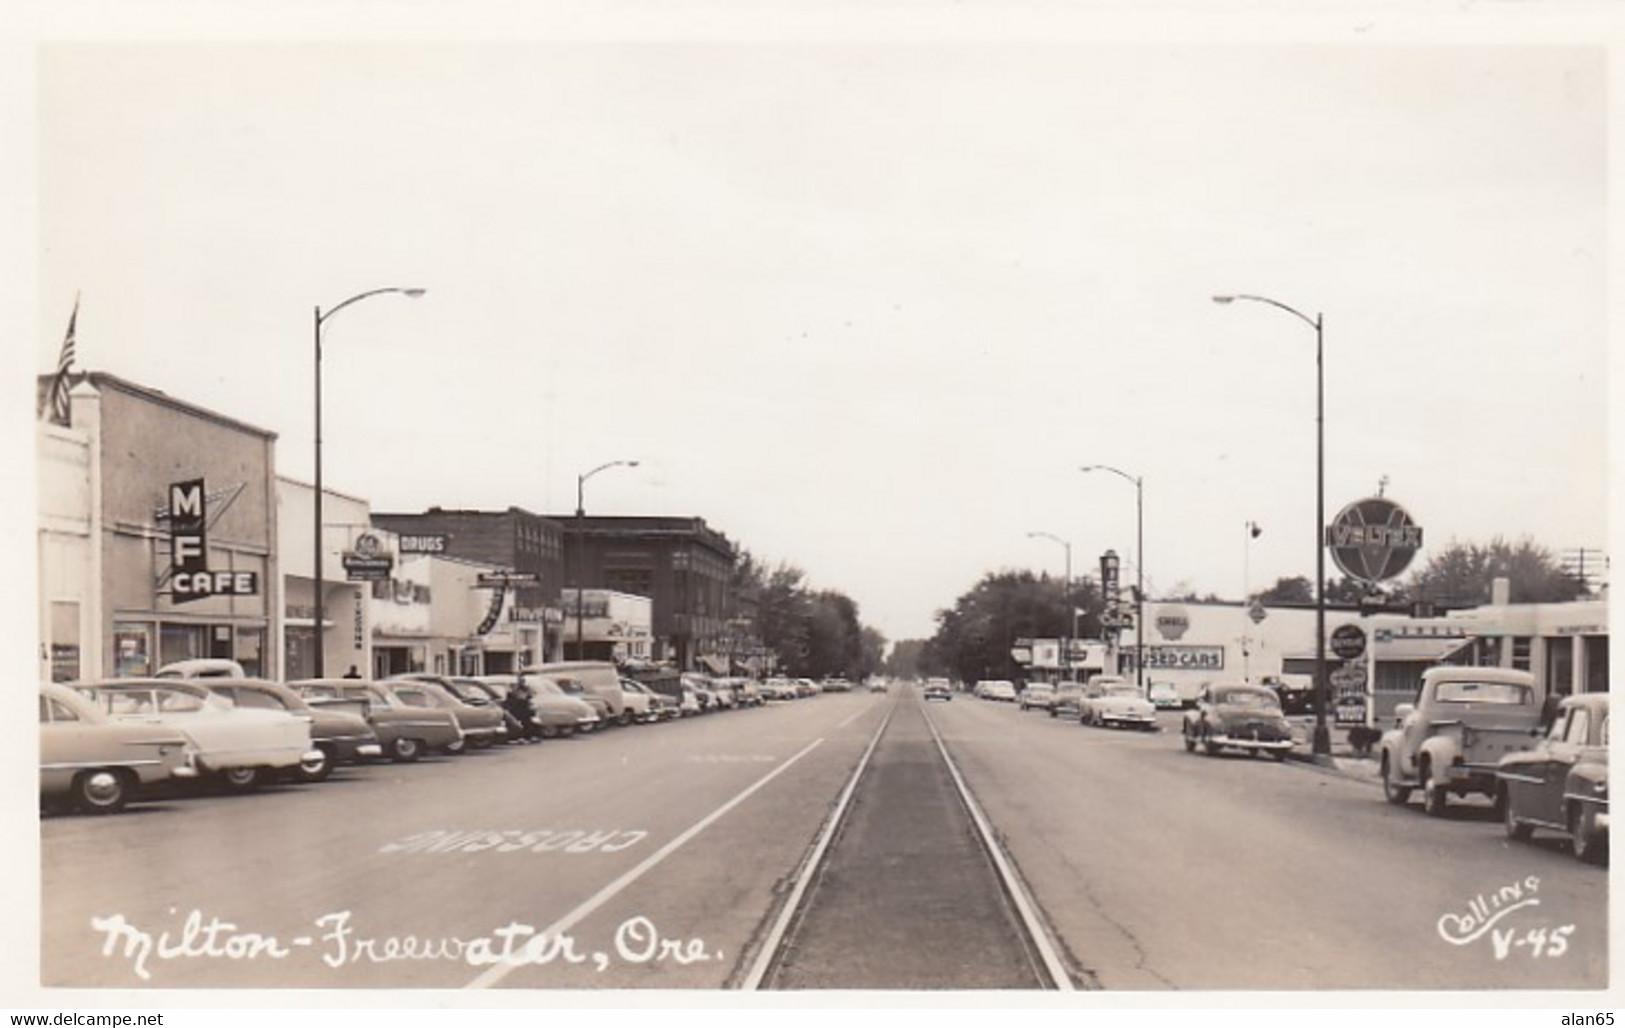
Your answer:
<point x="1343" y="760"/>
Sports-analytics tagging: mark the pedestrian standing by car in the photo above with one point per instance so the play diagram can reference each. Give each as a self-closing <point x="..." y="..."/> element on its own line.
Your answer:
<point x="520" y="706"/>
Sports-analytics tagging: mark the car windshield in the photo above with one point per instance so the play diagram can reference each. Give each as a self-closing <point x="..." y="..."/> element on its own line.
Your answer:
<point x="1249" y="698"/>
<point x="1507" y="693"/>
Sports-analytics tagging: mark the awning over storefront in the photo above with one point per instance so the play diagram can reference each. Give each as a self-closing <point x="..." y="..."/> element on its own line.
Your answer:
<point x="716" y="665"/>
<point x="1420" y="650"/>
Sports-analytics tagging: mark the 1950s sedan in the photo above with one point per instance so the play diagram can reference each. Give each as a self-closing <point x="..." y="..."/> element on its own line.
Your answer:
<point x="405" y="732"/>
<point x="338" y="730"/>
<point x="237" y="747"/>
<point x="1246" y="717"/>
<point x="97" y="764"/>
<point x="1562" y="783"/>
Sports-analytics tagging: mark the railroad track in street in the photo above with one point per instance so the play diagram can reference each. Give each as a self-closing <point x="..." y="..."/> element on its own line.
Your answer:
<point x="907" y="886"/>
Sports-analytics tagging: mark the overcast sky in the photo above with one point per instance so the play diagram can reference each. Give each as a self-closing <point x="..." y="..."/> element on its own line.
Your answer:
<point x="866" y="305"/>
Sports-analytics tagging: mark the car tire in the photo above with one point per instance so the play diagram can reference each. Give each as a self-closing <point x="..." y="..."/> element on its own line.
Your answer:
<point x="1516" y="830"/>
<point x="1279" y="756"/>
<point x="1190" y="739"/>
<point x="1590" y="845"/>
<point x="1435" y="797"/>
<point x="1209" y="747"/>
<point x="316" y="770"/>
<point x="1392" y="791"/>
<point x="239" y="779"/>
<point x="101" y="791"/>
<point x="405" y="751"/>
<point x="626" y="717"/>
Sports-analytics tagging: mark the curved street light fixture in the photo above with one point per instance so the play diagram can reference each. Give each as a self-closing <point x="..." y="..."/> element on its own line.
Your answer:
<point x="581" y="546"/>
<point x="1066" y="597"/>
<point x="1323" y="739"/>
<point x="320" y="612"/>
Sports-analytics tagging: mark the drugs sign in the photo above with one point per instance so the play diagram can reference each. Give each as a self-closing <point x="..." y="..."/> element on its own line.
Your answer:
<point x="1373" y="539"/>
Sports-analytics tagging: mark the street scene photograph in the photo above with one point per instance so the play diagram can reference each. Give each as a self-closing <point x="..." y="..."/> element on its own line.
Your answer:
<point x="956" y="506"/>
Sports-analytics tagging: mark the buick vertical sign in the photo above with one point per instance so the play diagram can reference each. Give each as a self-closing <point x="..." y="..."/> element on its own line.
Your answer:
<point x="189" y="550"/>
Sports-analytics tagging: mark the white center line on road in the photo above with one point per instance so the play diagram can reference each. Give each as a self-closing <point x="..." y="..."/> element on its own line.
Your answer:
<point x="608" y="892"/>
<point x="854" y="717"/>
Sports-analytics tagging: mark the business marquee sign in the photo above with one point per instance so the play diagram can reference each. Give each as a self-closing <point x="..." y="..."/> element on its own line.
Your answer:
<point x="190" y="576"/>
<point x="1373" y="539"/>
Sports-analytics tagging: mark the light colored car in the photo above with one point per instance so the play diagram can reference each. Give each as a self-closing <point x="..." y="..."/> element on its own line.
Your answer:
<point x="1039" y="695"/>
<point x="238" y="747"/>
<point x="1453" y="737"/>
<point x="997" y="689"/>
<point x="1562" y="784"/>
<point x="97" y="764"/>
<point x="1238" y="715"/>
<point x="555" y="712"/>
<point x="1164" y="695"/>
<point x="405" y="732"/>
<point x="660" y="707"/>
<point x="338" y="728"/>
<point x="937" y="689"/>
<point x="640" y="703"/>
<point x="1119" y="705"/>
<point x="780" y="689"/>
<point x="202" y="667"/>
<point x="598" y="677"/>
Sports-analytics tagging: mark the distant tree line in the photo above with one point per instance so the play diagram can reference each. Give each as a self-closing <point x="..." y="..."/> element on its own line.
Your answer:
<point x="973" y="637"/>
<point x="809" y="633"/>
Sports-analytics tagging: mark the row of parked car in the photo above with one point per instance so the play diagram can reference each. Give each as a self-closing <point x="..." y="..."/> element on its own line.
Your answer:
<point x="1468" y="731"/>
<point x="103" y="743"/>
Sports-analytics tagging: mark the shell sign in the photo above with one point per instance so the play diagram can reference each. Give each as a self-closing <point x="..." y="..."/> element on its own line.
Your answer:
<point x="1172" y="622"/>
<point x="1373" y="539"/>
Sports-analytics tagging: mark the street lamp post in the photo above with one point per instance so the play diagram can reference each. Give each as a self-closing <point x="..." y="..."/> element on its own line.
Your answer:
<point x="581" y="547"/>
<point x="316" y="547"/>
<point x="1323" y="739"/>
<point x="1066" y="597"/>
<point x="1139" y="567"/>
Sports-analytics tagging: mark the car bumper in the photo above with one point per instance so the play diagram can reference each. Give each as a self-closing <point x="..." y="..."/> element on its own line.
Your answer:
<point x="1137" y="720"/>
<point x="1248" y="743"/>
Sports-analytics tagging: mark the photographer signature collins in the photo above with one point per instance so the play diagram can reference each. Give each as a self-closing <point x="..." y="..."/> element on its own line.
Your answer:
<point x="636" y="941"/>
<point x="1483" y="913"/>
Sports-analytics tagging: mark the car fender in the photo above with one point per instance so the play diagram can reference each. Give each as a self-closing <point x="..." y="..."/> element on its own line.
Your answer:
<point x="1440" y="751"/>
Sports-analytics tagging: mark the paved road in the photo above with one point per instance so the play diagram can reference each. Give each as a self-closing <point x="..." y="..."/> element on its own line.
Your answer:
<point x="658" y="856"/>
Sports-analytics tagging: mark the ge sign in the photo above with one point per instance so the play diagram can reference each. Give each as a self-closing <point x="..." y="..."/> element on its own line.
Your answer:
<point x="1373" y="539"/>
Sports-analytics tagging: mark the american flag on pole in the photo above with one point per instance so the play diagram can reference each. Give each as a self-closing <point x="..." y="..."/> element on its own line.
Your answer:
<point x="54" y="406"/>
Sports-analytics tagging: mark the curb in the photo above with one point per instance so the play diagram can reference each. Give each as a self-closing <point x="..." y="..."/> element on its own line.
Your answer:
<point x="1328" y="765"/>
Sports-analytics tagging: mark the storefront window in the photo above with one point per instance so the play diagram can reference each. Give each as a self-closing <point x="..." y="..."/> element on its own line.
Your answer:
<point x="132" y="649"/>
<point x="299" y="652"/>
<point x="65" y="666"/>
<point x="1596" y="663"/>
<point x="182" y="642"/>
<point x="1559" y="663"/>
<point x="250" y="651"/>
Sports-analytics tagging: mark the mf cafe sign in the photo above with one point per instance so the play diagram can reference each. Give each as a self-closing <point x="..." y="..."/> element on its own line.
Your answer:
<point x="190" y="576"/>
<point x="499" y="582"/>
<point x="1373" y="539"/>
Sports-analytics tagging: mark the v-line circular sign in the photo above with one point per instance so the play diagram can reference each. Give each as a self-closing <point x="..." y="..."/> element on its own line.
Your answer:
<point x="1373" y="539"/>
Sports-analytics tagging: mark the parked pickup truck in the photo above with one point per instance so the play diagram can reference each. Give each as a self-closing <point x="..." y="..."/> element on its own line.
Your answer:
<point x="1464" y="720"/>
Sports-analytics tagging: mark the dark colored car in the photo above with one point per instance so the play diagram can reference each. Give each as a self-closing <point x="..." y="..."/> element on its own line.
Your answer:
<point x="338" y="728"/>
<point x="1240" y="716"/>
<point x="1562" y="784"/>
